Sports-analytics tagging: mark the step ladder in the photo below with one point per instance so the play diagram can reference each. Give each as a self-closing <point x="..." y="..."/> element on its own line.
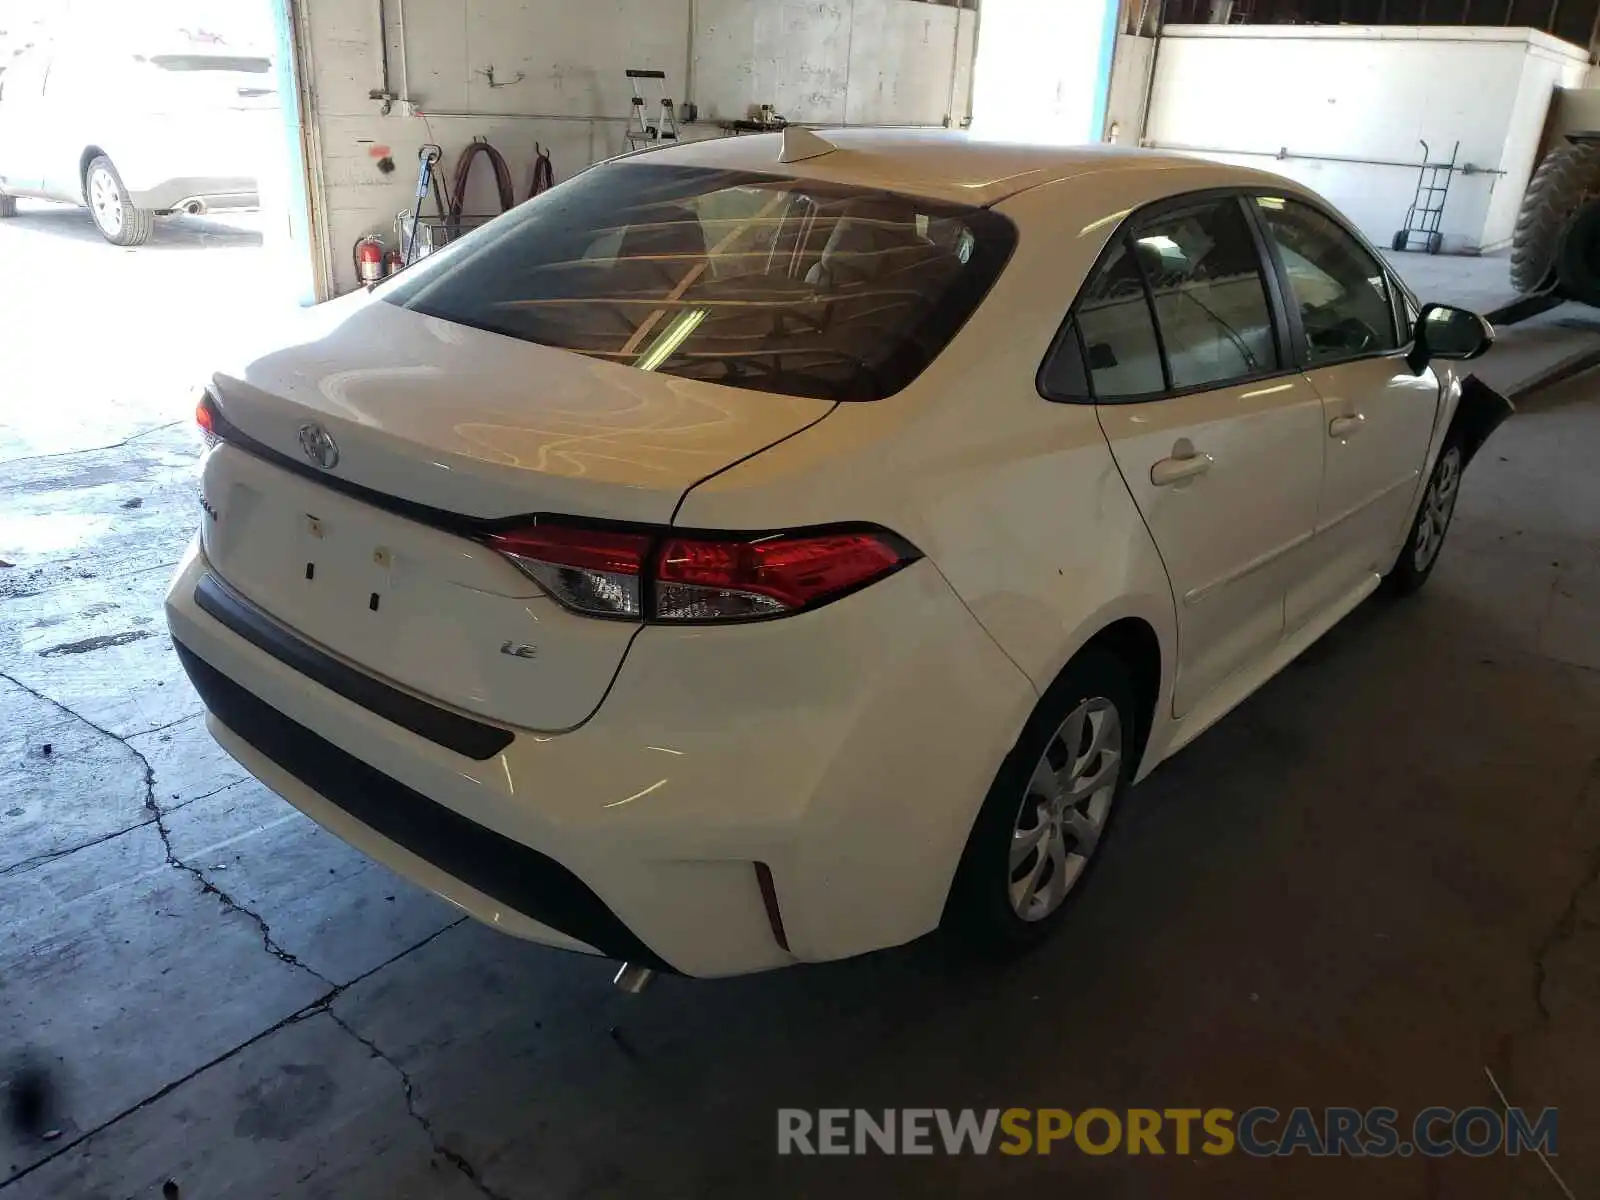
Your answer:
<point x="645" y="129"/>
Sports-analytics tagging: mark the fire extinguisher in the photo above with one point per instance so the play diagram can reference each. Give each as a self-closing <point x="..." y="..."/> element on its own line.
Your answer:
<point x="369" y="259"/>
<point x="393" y="260"/>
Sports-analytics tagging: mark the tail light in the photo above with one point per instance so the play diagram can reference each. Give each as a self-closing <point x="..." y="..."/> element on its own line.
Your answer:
<point x="592" y="571"/>
<point x="205" y="416"/>
<point x="664" y="576"/>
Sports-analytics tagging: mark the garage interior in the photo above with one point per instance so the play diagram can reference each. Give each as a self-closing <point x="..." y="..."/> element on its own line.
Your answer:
<point x="1375" y="883"/>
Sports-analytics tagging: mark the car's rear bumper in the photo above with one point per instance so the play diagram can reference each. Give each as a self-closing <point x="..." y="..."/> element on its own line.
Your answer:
<point x="848" y="750"/>
<point x="213" y="194"/>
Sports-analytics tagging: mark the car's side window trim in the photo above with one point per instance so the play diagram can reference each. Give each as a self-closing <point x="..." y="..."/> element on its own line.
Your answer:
<point x="1125" y="235"/>
<point x="1406" y="306"/>
<point x="1278" y="311"/>
<point x="1291" y="312"/>
<point x="1285" y="311"/>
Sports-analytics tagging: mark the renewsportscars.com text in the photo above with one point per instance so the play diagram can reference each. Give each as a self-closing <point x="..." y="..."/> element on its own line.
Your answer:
<point x="1260" y="1132"/>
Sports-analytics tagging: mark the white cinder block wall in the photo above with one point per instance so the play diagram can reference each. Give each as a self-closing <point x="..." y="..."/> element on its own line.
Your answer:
<point x="865" y="62"/>
<point x="1244" y="93"/>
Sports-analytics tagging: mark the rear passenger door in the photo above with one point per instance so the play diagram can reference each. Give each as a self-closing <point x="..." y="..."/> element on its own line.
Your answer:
<point x="1177" y="341"/>
<point x="1378" y="415"/>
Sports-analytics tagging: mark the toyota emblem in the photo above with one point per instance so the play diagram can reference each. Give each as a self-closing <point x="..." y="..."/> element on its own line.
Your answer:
<point x="318" y="445"/>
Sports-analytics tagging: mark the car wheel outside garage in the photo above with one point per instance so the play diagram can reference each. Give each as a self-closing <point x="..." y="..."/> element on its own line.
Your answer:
<point x="119" y="220"/>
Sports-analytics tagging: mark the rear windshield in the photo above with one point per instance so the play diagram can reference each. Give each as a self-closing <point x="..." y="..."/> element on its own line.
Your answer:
<point x="750" y="280"/>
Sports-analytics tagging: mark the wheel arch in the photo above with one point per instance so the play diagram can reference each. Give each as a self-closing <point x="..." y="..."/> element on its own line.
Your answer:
<point x="1471" y="411"/>
<point x="1135" y="643"/>
<point x="90" y="153"/>
<point x="1479" y="412"/>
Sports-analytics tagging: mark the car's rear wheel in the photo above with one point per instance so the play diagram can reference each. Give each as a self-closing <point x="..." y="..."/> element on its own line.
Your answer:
<point x="1049" y="811"/>
<point x="119" y="222"/>
<point x="1432" y="522"/>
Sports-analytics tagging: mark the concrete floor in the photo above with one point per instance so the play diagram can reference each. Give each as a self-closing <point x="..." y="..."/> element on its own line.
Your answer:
<point x="1376" y="878"/>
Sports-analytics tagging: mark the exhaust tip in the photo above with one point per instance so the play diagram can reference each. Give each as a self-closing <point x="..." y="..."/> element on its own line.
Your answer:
<point x="633" y="979"/>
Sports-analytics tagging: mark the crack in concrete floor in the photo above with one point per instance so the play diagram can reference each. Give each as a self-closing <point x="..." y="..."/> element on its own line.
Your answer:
<point x="454" y="1158"/>
<point x="127" y="441"/>
<point x="208" y="886"/>
<point x="50" y="856"/>
<point x="1570" y="921"/>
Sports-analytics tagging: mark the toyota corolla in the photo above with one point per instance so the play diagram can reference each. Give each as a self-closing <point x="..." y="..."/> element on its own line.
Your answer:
<point x="772" y="549"/>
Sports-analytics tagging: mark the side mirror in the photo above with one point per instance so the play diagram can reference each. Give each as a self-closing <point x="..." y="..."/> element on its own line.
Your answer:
<point x="1445" y="331"/>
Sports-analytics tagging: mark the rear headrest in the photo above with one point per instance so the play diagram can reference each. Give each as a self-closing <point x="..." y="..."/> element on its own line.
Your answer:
<point x="862" y="237"/>
<point x="664" y="229"/>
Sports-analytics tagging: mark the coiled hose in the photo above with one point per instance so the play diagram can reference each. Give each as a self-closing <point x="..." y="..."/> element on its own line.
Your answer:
<point x="502" y="179"/>
<point x="544" y="175"/>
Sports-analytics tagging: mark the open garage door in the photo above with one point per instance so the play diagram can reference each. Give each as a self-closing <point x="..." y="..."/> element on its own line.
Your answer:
<point x="154" y="203"/>
<point x="1043" y="70"/>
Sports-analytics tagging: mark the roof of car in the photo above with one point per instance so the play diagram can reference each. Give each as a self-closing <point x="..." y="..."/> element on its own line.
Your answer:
<point x="939" y="163"/>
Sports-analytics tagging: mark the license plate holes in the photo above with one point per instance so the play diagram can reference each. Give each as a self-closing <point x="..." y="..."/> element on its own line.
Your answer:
<point x="372" y="602"/>
<point x="311" y="570"/>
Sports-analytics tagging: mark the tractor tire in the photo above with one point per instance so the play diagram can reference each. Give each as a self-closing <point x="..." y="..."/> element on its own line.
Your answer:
<point x="1578" y="263"/>
<point x="1559" y="185"/>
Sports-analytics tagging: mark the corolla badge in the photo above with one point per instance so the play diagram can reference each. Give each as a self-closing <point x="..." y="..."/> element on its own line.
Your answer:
<point x="318" y="445"/>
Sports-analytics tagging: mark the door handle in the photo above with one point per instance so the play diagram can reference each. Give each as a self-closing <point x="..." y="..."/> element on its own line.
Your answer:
<point x="1175" y="470"/>
<point x="1343" y="427"/>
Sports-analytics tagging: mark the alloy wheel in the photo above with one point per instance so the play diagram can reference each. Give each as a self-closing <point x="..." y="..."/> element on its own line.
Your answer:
<point x="105" y="198"/>
<point x="1064" y="810"/>
<point x="1438" y="503"/>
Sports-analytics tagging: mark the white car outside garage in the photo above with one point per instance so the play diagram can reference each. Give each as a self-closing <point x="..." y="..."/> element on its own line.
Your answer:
<point x="773" y="549"/>
<point x="135" y="131"/>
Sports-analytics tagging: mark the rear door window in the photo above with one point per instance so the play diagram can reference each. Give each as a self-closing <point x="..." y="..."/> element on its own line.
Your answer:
<point x="1206" y="283"/>
<point x="749" y="280"/>
<point x="1178" y="301"/>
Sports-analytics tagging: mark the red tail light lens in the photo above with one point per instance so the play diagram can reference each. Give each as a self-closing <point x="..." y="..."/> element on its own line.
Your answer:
<point x="659" y="576"/>
<point x="596" y="571"/>
<point x="205" y="416"/>
<point x="701" y="580"/>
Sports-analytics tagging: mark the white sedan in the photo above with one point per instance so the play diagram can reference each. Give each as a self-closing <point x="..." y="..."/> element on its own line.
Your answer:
<point x="132" y="136"/>
<point x="772" y="549"/>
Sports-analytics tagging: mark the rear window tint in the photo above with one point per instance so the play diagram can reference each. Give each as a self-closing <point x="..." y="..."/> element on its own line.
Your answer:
<point x="750" y="280"/>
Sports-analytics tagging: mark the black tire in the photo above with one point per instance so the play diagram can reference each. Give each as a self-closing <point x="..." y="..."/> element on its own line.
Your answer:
<point x="1578" y="263"/>
<point x="136" y="223"/>
<point x="1559" y="185"/>
<point x="8" y="206"/>
<point x="1412" y="568"/>
<point x="979" y="914"/>
<point x="1398" y="241"/>
<point x="1435" y="242"/>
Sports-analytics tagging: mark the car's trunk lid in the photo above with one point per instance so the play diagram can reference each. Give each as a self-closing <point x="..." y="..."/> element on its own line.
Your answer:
<point x="440" y="429"/>
<point x="486" y="425"/>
